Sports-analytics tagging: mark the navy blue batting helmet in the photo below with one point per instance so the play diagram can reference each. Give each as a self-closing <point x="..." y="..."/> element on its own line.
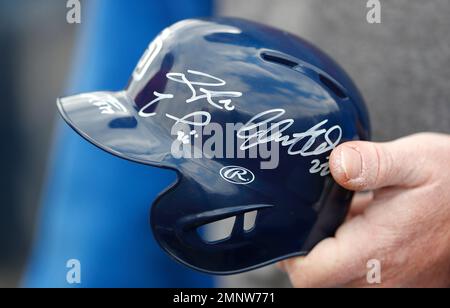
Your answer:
<point x="247" y="116"/>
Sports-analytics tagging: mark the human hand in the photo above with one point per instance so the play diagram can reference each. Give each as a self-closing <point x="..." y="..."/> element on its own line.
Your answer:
<point x="404" y="223"/>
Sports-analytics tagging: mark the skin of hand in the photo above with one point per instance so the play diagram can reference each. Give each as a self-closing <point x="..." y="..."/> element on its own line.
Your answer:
<point x="402" y="219"/>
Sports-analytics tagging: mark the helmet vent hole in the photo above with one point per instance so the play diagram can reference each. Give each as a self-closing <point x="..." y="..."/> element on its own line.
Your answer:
<point x="332" y="86"/>
<point x="278" y="59"/>
<point x="218" y="230"/>
<point x="249" y="220"/>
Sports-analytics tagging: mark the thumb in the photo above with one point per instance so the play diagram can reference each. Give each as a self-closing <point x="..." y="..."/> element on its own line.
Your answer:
<point x="363" y="165"/>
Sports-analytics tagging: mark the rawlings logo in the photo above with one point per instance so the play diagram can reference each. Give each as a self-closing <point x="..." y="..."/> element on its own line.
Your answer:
<point x="237" y="175"/>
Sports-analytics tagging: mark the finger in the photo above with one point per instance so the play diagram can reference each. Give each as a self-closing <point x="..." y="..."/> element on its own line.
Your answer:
<point x="334" y="261"/>
<point x="360" y="202"/>
<point x="320" y="268"/>
<point x="280" y="266"/>
<point x="324" y="266"/>
<point x="362" y="165"/>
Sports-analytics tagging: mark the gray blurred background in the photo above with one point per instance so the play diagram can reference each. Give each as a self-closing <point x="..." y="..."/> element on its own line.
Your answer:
<point x="36" y="44"/>
<point x="401" y="66"/>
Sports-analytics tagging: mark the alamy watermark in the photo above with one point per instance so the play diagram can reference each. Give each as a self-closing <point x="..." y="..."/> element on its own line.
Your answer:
<point x="374" y="13"/>
<point x="73" y="275"/>
<point x="73" y="15"/>
<point x="373" y="271"/>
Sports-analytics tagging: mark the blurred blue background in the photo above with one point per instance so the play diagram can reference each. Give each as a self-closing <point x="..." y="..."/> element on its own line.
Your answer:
<point x="94" y="207"/>
<point x="36" y="50"/>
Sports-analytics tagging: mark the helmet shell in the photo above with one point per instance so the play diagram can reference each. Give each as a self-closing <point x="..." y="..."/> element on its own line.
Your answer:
<point x="281" y="95"/>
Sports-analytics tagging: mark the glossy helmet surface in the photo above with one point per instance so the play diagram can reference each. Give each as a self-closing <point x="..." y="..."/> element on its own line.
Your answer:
<point x="195" y="79"/>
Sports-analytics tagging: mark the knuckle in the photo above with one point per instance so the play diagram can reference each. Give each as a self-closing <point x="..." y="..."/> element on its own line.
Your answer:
<point x="383" y="165"/>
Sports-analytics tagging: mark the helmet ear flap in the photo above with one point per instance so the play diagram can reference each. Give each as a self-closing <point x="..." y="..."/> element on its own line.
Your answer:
<point x="212" y="237"/>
